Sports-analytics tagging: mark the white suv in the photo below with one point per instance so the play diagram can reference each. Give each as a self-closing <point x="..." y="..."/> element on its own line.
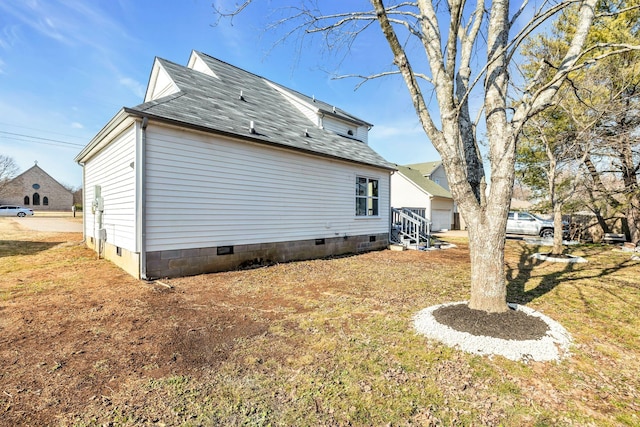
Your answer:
<point x="12" y="210"/>
<point x="526" y="223"/>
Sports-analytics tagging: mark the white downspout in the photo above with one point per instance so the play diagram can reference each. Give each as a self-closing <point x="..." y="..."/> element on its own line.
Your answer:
<point x="390" y="221"/>
<point x="84" y="208"/>
<point x="141" y="184"/>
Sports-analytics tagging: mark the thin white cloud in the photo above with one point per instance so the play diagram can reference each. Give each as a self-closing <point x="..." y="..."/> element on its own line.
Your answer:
<point x="36" y="16"/>
<point x="76" y="125"/>
<point x="2" y="66"/>
<point x="70" y="22"/>
<point x="134" y="86"/>
<point x="9" y="37"/>
<point x="398" y="130"/>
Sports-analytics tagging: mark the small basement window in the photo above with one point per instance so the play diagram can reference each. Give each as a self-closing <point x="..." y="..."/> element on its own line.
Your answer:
<point x="319" y="242"/>
<point x="224" y="250"/>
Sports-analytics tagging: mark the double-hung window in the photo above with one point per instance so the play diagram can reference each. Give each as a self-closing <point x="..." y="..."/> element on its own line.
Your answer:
<point x="366" y="196"/>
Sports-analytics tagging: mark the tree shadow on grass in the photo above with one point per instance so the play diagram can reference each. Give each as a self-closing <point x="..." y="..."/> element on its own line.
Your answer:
<point x="22" y="247"/>
<point x="517" y="278"/>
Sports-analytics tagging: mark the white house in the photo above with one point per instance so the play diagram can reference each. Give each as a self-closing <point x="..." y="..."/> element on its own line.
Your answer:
<point x="220" y="168"/>
<point x="433" y="171"/>
<point x="411" y="188"/>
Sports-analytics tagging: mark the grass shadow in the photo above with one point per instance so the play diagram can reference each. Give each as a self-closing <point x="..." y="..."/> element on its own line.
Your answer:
<point x="517" y="278"/>
<point x="22" y="247"/>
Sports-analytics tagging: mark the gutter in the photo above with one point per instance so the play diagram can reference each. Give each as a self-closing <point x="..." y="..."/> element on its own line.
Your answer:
<point x="249" y="138"/>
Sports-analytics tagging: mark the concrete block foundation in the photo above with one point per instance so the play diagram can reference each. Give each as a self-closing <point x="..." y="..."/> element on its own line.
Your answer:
<point x="189" y="262"/>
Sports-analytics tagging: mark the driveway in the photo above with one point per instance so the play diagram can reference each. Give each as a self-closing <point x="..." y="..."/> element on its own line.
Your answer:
<point x="49" y="224"/>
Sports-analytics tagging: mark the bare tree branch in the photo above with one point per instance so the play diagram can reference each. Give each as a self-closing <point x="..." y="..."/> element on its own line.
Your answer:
<point x="365" y="79"/>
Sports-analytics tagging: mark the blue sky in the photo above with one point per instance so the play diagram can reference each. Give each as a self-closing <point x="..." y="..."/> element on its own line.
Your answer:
<point x="68" y="66"/>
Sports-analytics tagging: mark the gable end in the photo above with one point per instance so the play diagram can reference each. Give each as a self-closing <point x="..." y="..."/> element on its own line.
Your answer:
<point x="160" y="83"/>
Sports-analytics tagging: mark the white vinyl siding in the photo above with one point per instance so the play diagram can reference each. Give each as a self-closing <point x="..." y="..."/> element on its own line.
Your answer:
<point x="406" y="194"/>
<point x="439" y="177"/>
<point x="308" y="110"/>
<point x="205" y="191"/>
<point x="342" y="128"/>
<point x="111" y="170"/>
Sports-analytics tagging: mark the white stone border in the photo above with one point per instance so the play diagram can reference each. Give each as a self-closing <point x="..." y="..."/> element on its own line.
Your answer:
<point x="553" y="346"/>
<point x="570" y="260"/>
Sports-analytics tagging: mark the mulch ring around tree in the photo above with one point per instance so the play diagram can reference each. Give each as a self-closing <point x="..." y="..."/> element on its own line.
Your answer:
<point x="509" y="325"/>
<point x="520" y="333"/>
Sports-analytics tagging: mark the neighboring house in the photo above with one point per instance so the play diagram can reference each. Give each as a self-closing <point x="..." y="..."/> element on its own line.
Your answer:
<point x="36" y="189"/>
<point x="411" y="189"/>
<point x="433" y="171"/>
<point x="221" y="168"/>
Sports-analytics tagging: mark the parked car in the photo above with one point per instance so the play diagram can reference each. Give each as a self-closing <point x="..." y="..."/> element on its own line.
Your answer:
<point x="528" y="223"/>
<point x="12" y="210"/>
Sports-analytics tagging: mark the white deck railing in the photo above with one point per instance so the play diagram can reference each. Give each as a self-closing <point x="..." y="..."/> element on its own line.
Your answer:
<point x="409" y="228"/>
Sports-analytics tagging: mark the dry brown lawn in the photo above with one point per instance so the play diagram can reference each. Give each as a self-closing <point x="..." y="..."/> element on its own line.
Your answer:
<point x="325" y="342"/>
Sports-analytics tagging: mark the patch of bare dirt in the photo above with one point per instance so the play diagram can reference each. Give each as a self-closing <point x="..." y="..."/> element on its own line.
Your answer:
<point x="73" y="329"/>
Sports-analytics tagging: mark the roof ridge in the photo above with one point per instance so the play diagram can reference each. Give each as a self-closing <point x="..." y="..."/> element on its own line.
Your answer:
<point x="310" y="99"/>
<point x="263" y="114"/>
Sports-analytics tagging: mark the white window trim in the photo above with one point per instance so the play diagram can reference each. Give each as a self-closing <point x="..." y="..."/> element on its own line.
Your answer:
<point x="367" y="197"/>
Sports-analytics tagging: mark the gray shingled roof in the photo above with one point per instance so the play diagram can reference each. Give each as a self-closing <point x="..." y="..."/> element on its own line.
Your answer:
<point x="421" y="181"/>
<point x="209" y="103"/>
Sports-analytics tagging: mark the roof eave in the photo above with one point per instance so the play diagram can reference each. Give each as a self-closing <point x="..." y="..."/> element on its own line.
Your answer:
<point x="344" y="118"/>
<point x="248" y="138"/>
<point x="113" y="124"/>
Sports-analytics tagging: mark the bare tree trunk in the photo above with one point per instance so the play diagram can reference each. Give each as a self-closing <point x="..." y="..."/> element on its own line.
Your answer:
<point x="556" y="204"/>
<point x="631" y="188"/>
<point x="488" y="281"/>
<point x="558" y="249"/>
<point x="598" y="185"/>
<point x="602" y="222"/>
<point x="633" y="218"/>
